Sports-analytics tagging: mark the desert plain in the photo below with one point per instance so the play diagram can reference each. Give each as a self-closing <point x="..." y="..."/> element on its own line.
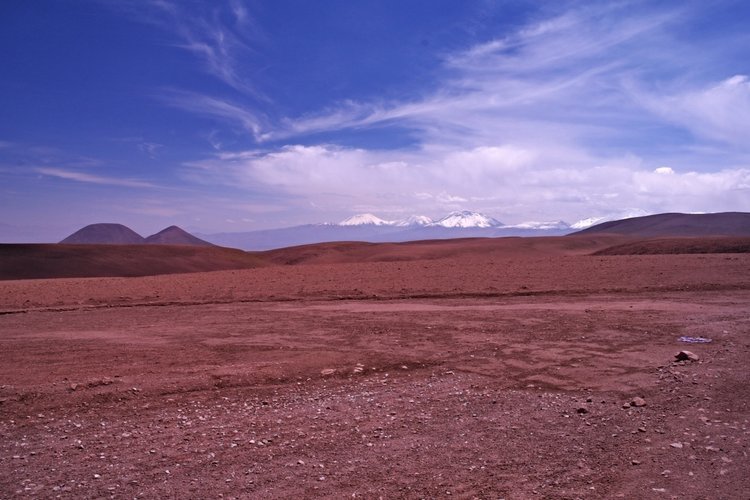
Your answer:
<point x="500" y="368"/>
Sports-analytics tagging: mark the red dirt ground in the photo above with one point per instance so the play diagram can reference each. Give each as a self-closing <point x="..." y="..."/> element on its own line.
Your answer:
<point x="503" y="374"/>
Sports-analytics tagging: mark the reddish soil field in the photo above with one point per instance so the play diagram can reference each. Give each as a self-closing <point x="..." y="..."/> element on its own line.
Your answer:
<point x="461" y="374"/>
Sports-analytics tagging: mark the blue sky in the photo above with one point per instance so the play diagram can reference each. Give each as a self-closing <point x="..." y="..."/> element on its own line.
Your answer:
<point x="241" y="115"/>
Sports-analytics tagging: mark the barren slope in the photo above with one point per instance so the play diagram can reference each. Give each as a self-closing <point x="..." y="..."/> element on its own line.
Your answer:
<point x="679" y="246"/>
<point x="35" y="261"/>
<point x="675" y="224"/>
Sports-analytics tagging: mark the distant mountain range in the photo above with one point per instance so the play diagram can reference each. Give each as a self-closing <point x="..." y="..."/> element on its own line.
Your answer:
<point x="369" y="227"/>
<point x="117" y="234"/>
<point x="464" y="224"/>
<point x="115" y="250"/>
<point x="462" y="219"/>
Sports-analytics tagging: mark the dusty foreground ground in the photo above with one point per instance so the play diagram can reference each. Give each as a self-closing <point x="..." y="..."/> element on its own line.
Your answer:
<point x="457" y="377"/>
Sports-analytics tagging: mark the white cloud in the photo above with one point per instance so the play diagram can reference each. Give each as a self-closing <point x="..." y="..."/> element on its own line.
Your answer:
<point x="565" y="118"/>
<point x="499" y="179"/>
<point x="354" y="173"/>
<point x="664" y="171"/>
<point x="93" y="179"/>
<point x="718" y="111"/>
<point x="560" y="77"/>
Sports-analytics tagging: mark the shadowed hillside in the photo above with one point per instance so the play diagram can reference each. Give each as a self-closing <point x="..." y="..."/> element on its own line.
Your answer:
<point x="718" y="224"/>
<point x="33" y="261"/>
<point x="664" y="246"/>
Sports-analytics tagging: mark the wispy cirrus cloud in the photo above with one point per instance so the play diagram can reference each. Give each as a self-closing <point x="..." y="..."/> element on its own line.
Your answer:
<point x="91" y="178"/>
<point x="216" y="33"/>
<point x="569" y="69"/>
<point x="150" y="148"/>
<point x="718" y="111"/>
<point x="601" y="74"/>
<point x="215" y="107"/>
<point x="555" y="119"/>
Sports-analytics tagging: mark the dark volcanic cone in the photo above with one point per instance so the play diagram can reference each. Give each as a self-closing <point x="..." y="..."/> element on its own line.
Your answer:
<point x="174" y="235"/>
<point x="113" y="234"/>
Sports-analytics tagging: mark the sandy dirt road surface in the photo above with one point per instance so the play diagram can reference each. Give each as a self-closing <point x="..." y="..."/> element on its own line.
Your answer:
<point x="459" y="377"/>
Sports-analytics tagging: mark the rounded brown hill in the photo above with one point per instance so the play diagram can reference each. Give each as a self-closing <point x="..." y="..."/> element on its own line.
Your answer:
<point x="174" y="235"/>
<point x="106" y="233"/>
<point x="675" y="224"/>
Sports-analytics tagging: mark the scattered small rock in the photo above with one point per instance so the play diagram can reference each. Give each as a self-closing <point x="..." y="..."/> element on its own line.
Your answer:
<point x="582" y="410"/>
<point x="686" y="356"/>
<point x="677" y="445"/>
<point x="638" y="402"/>
<point x="635" y="462"/>
<point x="327" y="371"/>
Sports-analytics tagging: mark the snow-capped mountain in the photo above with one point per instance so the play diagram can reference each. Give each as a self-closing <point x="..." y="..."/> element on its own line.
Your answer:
<point x="555" y="224"/>
<point x="592" y="221"/>
<point x="374" y="220"/>
<point x="414" y="220"/>
<point x="462" y="219"/>
<point x="588" y="222"/>
<point x="466" y="219"/>
<point x="369" y="227"/>
<point x="365" y="220"/>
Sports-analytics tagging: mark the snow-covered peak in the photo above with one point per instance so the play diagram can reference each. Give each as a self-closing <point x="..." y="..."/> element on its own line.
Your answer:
<point x="588" y="222"/>
<point x="414" y="220"/>
<point x="364" y="220"/>
<point x="555" y="224"/>
<point x="625" y="214"/>
<point x="466" y="219"/>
